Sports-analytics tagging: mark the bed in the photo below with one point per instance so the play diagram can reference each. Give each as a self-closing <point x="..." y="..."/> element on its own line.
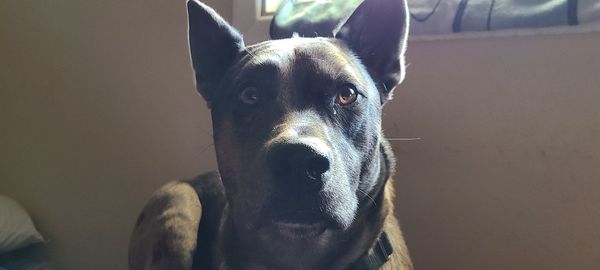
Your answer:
<point x="22" y="247"/>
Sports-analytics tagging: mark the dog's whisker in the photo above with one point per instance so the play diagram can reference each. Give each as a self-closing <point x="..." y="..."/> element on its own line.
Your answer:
<point x="249" y="52"/>
<point x="206" y="132"/>
<point x="368" y="196"/>
<point x="385" y="88"/>
<point x="339" y="73"/>
<point x="203" y="150"/>
<point x="404" y="139"/>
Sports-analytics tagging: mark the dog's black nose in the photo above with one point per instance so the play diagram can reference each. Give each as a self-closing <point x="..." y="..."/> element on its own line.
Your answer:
<point x="297" y="161"/>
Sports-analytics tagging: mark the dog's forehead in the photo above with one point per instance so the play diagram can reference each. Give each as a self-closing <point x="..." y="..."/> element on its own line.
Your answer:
<point x="323" y="55"/>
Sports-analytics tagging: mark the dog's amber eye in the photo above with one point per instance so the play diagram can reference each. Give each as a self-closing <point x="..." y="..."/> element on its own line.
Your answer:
<point x="249" y="95"/>
<point x="346" y="95"/>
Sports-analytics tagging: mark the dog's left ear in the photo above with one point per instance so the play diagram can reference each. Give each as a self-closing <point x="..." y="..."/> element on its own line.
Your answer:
<point x="214" y="45"/>
<point x="377" y="32"/>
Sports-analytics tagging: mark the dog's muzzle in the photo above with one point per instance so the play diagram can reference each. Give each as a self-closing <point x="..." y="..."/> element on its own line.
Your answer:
<point x="305" y="160"/>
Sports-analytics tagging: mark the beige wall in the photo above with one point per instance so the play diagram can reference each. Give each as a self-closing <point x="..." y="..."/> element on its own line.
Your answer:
<point x="507" y="173"/>
<point x="98" y="108"/>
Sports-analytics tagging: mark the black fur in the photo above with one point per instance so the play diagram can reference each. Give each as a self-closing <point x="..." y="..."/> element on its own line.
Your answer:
<point x="267" y="149"/>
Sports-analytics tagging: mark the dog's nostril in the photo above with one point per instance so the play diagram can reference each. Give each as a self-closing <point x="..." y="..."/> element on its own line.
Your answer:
<point x="297" y="161"/>
<point x="316" y="166"/>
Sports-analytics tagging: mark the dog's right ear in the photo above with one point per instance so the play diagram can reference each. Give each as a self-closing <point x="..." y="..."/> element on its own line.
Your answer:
<point x="214" y="45"/>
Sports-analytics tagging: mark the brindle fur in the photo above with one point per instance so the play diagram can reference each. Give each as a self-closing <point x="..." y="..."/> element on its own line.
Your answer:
<point x="233" y="219"/>
<point x="166" y="235"/>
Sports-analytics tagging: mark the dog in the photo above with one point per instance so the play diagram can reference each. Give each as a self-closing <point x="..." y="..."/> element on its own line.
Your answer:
<point x="304" y="170"/>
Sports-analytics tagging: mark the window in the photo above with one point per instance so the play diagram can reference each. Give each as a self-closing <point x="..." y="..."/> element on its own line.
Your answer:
<point x="269" y="7"/>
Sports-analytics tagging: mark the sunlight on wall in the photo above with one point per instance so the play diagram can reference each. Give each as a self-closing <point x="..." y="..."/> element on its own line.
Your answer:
<point x="270" y="6"/>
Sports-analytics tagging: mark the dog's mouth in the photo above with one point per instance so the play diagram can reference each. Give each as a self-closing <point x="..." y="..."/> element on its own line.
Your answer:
<point x="295" y="230"/>
<point x="298" y="224"/>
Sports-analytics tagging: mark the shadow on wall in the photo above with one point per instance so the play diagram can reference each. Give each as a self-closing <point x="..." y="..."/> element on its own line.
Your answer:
<point x="98" y="108"/>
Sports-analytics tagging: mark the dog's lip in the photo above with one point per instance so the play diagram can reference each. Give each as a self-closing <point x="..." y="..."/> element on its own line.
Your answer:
<point x="299" y="230"/>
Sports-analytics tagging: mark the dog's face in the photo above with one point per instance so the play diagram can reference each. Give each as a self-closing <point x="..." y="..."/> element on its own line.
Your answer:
<point x="296" y="128"/>
<point x="297" y="122"/>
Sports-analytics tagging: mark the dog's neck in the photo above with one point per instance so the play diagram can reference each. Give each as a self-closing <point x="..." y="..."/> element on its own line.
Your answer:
<point x="358" y="239"/>
<point x="372" y="214"/>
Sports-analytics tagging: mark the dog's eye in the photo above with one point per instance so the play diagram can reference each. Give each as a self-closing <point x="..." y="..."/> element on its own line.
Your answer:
<point x="249" y="96"/>
<point x="346" y="95"/>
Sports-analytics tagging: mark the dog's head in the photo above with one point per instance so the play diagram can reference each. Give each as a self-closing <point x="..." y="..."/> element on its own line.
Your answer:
<point x="297" y="122"/>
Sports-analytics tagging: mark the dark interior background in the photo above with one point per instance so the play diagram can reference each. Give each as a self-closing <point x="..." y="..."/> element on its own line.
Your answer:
<point x="98" y="109"/>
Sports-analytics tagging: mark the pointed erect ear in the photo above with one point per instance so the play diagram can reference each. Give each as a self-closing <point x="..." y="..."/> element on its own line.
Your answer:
<point x="377" y="33"/>
<point x="214" y="45"/>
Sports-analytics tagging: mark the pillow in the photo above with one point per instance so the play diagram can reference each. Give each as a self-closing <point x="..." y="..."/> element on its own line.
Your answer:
<point x="16" y="228"/>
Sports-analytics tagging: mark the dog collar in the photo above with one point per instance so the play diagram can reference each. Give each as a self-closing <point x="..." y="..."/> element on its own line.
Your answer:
<point x="377" y="256"/>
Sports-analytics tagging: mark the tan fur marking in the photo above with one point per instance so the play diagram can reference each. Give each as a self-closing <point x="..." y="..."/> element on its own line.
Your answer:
<point x="165" y="238"/>
<point x="400" y="259"/>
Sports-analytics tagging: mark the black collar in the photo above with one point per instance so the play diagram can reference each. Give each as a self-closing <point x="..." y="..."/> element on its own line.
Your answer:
<point x="376" y="256"/>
